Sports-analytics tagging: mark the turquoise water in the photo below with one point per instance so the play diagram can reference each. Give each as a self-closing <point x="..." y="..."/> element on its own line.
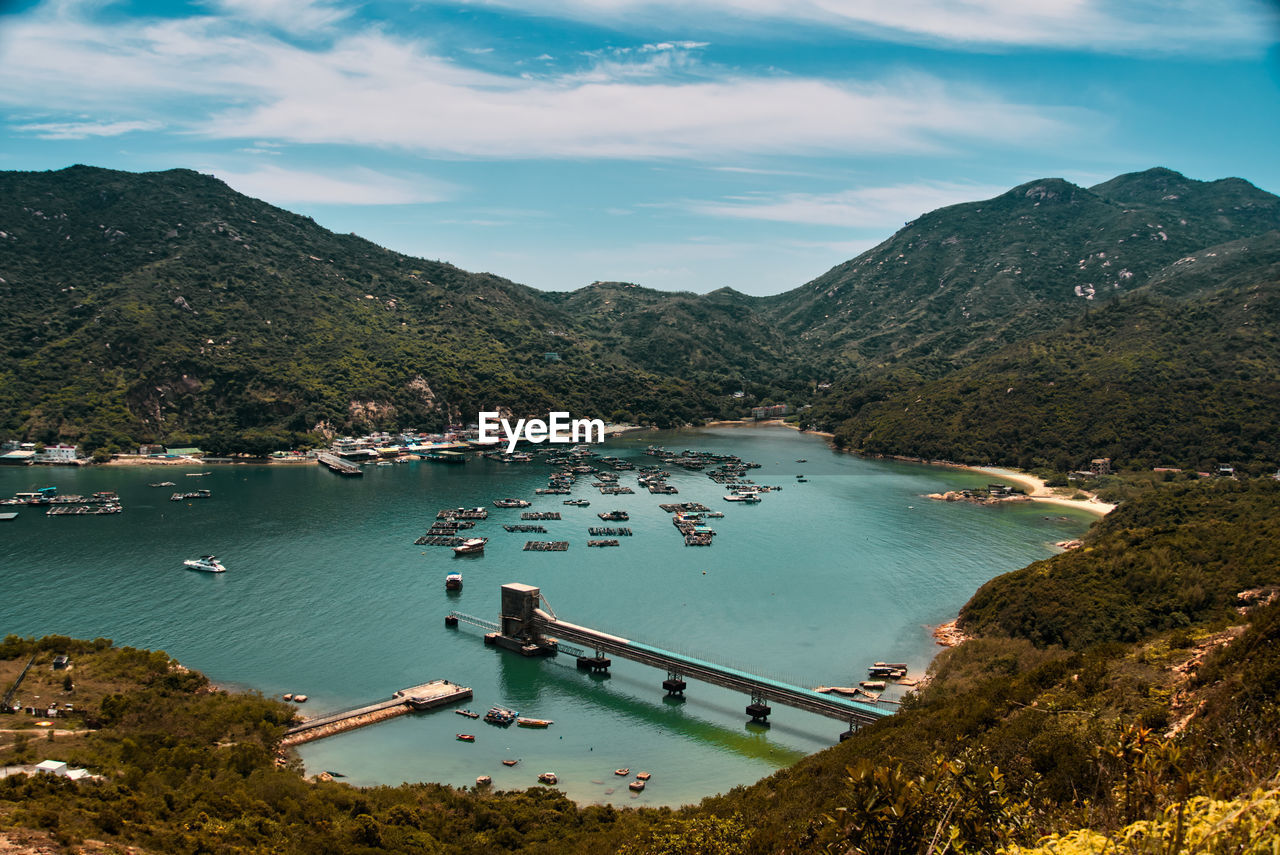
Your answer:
<point x="326" y="594"/>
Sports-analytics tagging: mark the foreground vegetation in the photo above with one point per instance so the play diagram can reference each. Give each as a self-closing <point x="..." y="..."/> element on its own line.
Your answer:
<point x="1113" y="693"/>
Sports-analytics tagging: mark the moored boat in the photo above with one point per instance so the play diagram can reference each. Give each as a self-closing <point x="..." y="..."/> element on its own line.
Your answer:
<point x="501" y="716"/>
<point x="453" y="582"/>
<point x="533" y="722"/>
<point x="636" y="786"/>
<point x="470" y="546"/>
<point x="468" y="713"/>
<point x="466" y="737"/>
<point x="510" y="762"/>
<point x="643" y="776"/>
<point x="511" y="503"/>
<point x="483" y="781"/>
<point x="622" y="773"/>
<point x="548" y="778"/>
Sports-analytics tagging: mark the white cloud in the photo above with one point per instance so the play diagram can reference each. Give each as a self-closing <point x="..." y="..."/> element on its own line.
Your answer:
<point x="293" y="16"/>
<point x="357" y="186"/>
<point x="370" y="88"/>
<point x="1200" y="26"/>
<point x="84" y="130"/>
<point x="862" y="207"/>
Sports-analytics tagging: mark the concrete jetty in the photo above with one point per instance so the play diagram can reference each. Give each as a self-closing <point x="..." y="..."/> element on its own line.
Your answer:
<point x="427" y="696"/>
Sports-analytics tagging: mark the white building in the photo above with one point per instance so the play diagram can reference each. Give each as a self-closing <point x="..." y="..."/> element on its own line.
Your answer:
<point x="57" y="454"/>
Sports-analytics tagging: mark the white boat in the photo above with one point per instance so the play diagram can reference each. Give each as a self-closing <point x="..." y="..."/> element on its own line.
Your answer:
<point x="470" y="546"/>
<point x="453" y="582"/>
<point x="207" y="563"/>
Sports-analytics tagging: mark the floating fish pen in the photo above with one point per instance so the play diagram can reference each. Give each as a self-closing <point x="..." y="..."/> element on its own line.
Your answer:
<point x="597" y="531"/>
<point x="697" y="540"/>
<point x="685" y="507"/>
<point x="662" y="488"/>
<point x="527" y="529"/>
<point x="546" y="546"/>
<point x="605" y="476"/>
<point x="198" y="494"/>
<point x="464" y="514"/>
<point x="439" y="540"/>
<point x="614" y="516"/>
<point x="616" y="491"/>
<point x="82" y="510"/>
<point x="445" y="457"/>
<point x="552" y="491"/>
<point x="603" y="543"/>
<point x="540" y="515"/>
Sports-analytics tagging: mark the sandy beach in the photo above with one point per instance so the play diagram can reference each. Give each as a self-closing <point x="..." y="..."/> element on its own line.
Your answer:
<point x="1037" y="491"/>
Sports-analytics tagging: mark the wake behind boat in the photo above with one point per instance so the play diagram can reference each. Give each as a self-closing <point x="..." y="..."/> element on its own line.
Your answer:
<point x="207" y="563"/>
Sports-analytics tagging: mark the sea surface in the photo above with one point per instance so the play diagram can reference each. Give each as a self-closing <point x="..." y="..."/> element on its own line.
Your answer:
<point x="326" y="594"/>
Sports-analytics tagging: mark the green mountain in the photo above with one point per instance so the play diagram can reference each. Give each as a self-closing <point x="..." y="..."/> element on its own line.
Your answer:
<point x="164" y="306"/>
<point x="964" y="280"/>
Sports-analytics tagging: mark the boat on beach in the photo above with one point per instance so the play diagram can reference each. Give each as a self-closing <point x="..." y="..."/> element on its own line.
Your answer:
<point x="207" y="563"/>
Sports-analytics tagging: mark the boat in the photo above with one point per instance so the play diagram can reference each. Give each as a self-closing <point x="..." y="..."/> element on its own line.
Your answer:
<point x="299" y="699"/>
<point x="622" y="773"/>
<point x="9" y="515"/>
<point x="872" y="684"/>
<point x="510" y="762"/>
<point x="511" y="503"/>
<point x="207" y="563"/>
<point x="533" y="722"/>
<point x="548" y="778"/>
<point x="500" y="715"/>
<point x="578" y="503"/>
<point x="643" y="776"/>
<point x="453" y="582"/>
<point x="636" y="786"/>
<point x="749" y="498"/>
<point x="466" y="737"/>
<point x="802" y="460"/>
<point x="288" y="696"/>
<point x="197" y="474"/>
<point x="614" y="516"/>
<point x="483" y="781"/>
<point x="468" y="713"/>
<point x="470" y="546"/>
<point x="163" y="484"/>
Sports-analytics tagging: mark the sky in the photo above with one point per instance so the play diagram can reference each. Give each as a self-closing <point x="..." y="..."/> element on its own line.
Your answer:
<point x="685" y="145"/>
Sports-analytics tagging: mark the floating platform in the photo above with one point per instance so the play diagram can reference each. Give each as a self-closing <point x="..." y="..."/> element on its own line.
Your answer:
<point x="546" y="546"/>
<point x="427" y="696"/>
<point x="336" y="464"/>
<point x="540" y="515"/>
<point x="527" y="529"/>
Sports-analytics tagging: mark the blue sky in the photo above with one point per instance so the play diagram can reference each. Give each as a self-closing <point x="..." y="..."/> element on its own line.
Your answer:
<point x="679" y="145"/>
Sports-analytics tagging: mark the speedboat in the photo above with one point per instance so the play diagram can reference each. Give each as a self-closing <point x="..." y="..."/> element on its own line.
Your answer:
<point x="207" y="563"/>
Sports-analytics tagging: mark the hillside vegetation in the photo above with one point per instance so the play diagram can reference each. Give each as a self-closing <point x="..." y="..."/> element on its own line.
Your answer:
<point x="166" y="307"/>
<point x="1168" y="712"/>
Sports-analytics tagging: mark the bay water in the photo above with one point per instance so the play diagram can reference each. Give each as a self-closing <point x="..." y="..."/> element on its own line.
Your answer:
<point x="326" y="594"/>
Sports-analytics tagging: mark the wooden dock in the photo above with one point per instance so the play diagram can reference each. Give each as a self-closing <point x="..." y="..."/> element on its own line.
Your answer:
<point x="337" y="464"/>
<point x="427" y="696"/>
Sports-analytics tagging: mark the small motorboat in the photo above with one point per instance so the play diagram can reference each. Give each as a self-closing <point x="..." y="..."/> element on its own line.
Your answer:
<point x="636" y="786"/>
<point x="483" y="781"/>
<point x="622" y="773"/>
<point x="510" y="762"/>
<point x="453" y="582"/>
<point x="207" y="563"/>
<point x="548" y="778"/>
<point x="468" y="713"/>
<point x="466" y="737"/>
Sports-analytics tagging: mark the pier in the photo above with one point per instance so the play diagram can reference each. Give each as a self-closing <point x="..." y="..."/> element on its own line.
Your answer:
<point x="529" y="628"/>
<point x="336" y="464"/>
<point x="427" y="696"/>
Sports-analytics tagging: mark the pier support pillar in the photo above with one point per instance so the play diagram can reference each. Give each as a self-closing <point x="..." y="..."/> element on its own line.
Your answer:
<point x="759" y="713"/>
<point x="451" y="621"/>
<point x="594" y="664"/>
<point x="675" y="686"/>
